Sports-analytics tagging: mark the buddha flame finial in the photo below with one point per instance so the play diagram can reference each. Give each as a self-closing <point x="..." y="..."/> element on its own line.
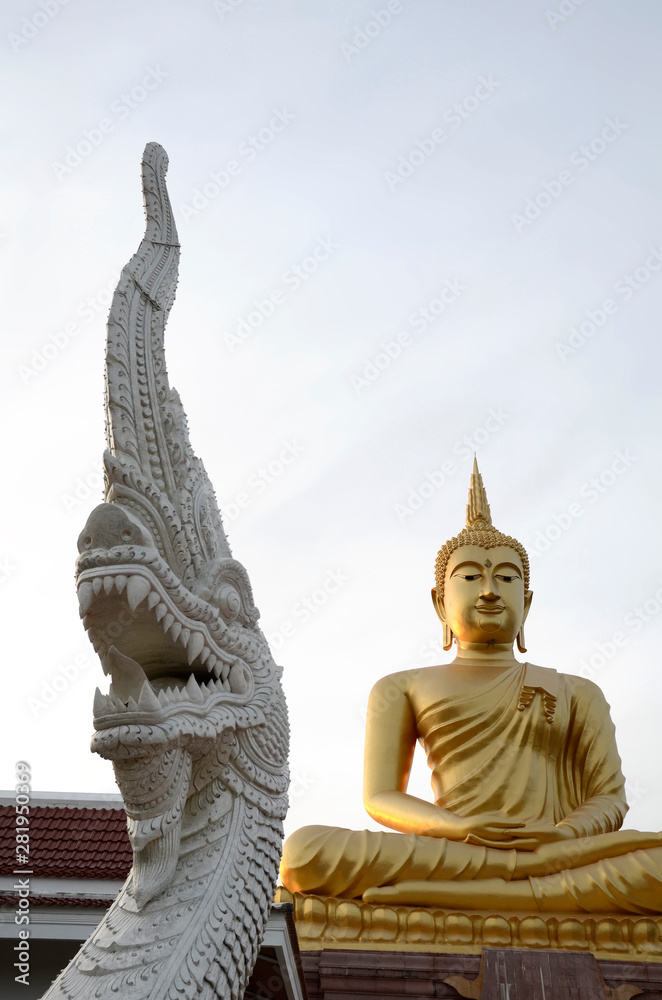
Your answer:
<point x="478" y="509"/>
<point x="479" y="530"/>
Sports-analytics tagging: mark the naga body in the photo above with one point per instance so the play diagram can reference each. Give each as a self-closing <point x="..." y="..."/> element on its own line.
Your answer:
<point x="195" y="721"/>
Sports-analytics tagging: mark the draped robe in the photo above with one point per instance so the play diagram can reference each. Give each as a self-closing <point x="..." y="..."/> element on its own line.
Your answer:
<point x="530" y="744"/>
<point x="535" y="746"/>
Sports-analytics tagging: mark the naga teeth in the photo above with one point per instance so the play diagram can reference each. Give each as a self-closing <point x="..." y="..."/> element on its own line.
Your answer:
<point x="108" y="583"/>
<point x="102" y="704"/>
<point x="184" y="636"/>
<point x="167" y="622"/>
<point x="120" y="583"/>
<point x="96" y="640"/>
<point x="153" y="600"/>
<point x="117" y="703"/>
<point x="148" y="700"/>
<point x="193" y="691"/>
<point x="85" y="595"/>
<point x="97" y="584"/>
<point x="131" y="705"/>
<point x="175" y="629"/>
<point x="162" y="699"/>
<point x="194" y="647"/>
<point x="127" y="675"/>
<point x="137" y="589"/>
<point x="239" y="679"/>
<point x="204" y="655"/>
<point x="160" y="611"/>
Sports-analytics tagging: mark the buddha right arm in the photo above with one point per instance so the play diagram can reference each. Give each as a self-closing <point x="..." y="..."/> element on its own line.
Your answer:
<point x="409" y="814"/>
<point x="389" y="750"/>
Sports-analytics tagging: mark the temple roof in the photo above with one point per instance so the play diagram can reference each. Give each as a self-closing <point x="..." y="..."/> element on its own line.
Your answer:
<point x="69" y="842"/>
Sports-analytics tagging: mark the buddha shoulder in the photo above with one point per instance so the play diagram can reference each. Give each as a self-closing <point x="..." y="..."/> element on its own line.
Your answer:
<point x="416" y="687"/>
<point x="393" y="687"/>
<point x="581" y="690"/>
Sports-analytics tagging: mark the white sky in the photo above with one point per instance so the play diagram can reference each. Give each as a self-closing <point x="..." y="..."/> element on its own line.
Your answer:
<point x="486" y="373"/>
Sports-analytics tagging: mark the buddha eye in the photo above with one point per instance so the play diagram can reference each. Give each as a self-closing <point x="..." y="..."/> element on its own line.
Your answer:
<point x="471" y="576"/>
<point x="507" y="579"/>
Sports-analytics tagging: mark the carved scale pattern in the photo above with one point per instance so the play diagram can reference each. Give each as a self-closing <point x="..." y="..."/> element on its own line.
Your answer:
<point x="203" y="766"/>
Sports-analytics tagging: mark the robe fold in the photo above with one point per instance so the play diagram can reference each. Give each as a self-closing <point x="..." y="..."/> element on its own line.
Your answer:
<point x="538" y="748"/>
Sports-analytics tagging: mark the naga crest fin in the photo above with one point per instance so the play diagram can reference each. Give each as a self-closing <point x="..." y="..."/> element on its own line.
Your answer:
<point x="150" y="465"/>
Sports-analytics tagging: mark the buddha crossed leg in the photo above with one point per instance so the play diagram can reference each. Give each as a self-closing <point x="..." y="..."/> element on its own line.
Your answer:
<point x="529" y="794"/>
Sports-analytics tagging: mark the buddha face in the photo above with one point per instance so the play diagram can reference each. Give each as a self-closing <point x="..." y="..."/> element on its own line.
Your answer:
<point x="484" y="599"/>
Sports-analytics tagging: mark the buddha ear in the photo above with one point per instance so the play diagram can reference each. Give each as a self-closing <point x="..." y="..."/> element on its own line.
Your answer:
<point x="528" y="597"/>
<point x="440" y="608"/>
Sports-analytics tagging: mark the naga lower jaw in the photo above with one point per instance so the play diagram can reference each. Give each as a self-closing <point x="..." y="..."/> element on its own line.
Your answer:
<point x="160" y="659"/>
<point x="138" y="700"/>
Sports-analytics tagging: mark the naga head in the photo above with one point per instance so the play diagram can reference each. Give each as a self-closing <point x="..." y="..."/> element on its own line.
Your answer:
<point x="168" y="610"/>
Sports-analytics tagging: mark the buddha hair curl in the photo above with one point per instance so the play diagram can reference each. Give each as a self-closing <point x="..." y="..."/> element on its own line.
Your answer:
<point x="485" y="538"/>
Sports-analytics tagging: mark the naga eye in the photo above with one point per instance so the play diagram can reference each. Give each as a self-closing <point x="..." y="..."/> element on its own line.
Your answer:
<point x="229" y="601"/>
<point x="126" y="534"/>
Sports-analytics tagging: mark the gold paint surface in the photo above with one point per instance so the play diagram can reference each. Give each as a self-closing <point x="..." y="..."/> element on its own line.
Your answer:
<point x="327" y="922"/>
<point x="528" y="793"/>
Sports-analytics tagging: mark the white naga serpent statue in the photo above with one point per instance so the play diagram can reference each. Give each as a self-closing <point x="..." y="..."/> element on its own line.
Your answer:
<point x="195" y="722"/>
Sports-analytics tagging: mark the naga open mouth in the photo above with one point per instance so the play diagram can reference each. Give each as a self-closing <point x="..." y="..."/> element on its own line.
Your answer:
<point x="157" y="656"/>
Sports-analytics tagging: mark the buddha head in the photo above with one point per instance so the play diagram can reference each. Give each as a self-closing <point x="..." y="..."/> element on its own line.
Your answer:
<point x="482" y="579"/>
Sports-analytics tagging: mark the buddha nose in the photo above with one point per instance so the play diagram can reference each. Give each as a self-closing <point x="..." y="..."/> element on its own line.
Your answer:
<point x="490" y="589"/>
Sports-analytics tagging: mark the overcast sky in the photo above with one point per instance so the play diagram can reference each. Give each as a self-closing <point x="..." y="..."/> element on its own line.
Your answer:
<point x="409" y="230"/>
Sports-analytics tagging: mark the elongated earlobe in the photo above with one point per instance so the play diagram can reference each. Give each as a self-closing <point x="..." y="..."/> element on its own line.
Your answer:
<point x="448" y="635"/>
<point x="520" y="640"/>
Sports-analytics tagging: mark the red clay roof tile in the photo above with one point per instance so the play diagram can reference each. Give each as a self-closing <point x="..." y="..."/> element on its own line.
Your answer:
<point x="68" y="842"/>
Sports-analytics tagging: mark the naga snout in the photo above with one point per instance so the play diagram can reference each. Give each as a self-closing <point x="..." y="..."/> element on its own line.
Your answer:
<point x="107" y="526"/>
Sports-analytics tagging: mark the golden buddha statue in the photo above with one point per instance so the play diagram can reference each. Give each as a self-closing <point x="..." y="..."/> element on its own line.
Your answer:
<point x="529" y="794"/>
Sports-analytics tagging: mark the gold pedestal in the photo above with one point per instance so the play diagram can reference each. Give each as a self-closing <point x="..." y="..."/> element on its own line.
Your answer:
<point x="327" y="922"/>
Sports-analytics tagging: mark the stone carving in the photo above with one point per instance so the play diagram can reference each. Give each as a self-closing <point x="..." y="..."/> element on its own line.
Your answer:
<point x="195" y="721"/>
